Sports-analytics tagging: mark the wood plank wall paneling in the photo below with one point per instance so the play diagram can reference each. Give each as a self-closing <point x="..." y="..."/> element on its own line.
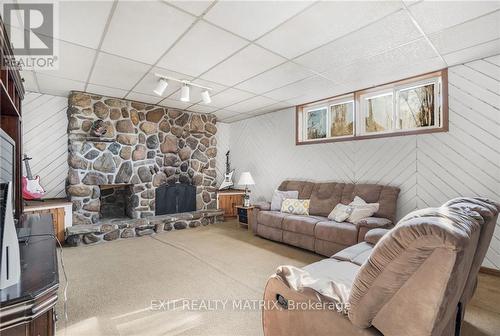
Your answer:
<point x="46" y="141"/>
<point x="430" y="168"/>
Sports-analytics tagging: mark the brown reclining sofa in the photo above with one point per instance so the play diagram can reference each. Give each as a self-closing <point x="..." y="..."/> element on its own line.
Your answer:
<point x="415" y="279"/>
<point x="316" y="232"/>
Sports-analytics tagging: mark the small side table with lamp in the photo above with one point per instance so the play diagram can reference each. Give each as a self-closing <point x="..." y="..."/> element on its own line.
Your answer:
<point x="245" y="212"/>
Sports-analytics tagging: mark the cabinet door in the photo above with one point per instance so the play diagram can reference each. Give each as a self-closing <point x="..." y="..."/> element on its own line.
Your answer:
<point x="236" y="200"/>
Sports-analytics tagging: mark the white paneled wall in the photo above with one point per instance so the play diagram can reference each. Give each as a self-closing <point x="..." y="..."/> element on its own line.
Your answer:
<point x="46" y="141"/>
<point x="429" y="169"/>
<point x="222" y="137"/>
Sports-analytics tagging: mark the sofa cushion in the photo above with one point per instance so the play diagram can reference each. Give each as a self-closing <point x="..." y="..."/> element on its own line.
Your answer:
<point x="342" y="233"/>
<point x="299" y="240"/>
<point x="342" y="272"/>
<point x="356" y="254"/>
<point x="271" y="218"/>
<point x="301" y="224"/>
<point x="303" y="187"/>
<point x="270" y="232"/>
<point x="327" y="248"/>
<point x="324" y="197"/>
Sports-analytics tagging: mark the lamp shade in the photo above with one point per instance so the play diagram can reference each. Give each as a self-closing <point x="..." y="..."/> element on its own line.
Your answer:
<point x="246" y="179"/>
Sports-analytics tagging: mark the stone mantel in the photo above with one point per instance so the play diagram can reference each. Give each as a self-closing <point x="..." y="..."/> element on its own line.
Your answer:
<point x="145" y="146"/>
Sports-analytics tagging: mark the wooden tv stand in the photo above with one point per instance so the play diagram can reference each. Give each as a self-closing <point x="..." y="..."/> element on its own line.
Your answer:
<point x="28" y="308"/>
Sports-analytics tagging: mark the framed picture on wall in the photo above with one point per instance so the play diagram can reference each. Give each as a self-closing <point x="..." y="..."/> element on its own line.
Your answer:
<point x="316" y="123"/>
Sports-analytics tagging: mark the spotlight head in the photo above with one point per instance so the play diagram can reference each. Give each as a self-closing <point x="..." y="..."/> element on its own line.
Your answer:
<point x="161" y="86"/>
<point x="185" y="93"/>
<point x="205" y="95"/>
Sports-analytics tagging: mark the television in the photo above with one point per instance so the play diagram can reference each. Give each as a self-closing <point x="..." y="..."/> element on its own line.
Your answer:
<point x="9" y="245"/>
<point x="7" y="161"/>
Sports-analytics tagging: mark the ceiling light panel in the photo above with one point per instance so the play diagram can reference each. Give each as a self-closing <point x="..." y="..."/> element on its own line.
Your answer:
<point x="200" y="49"/>
<point x="144" y="30"/>
<point x="323" y="22"/>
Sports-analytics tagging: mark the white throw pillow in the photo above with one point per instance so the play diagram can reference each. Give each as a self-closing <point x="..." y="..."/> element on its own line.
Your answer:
<point x="361" y="209"/>
<point x="340" y="213"/>
<point x="279" y="196"/>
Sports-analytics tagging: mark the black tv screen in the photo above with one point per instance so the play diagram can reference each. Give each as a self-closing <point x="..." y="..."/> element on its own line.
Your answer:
<point x="7" y="169"/>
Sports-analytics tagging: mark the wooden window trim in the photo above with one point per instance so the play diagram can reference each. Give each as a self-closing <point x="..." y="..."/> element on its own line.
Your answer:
<point x="444" y="106"/>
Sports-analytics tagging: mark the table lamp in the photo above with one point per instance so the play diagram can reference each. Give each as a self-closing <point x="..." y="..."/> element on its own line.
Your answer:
<point x="246" y="180"/>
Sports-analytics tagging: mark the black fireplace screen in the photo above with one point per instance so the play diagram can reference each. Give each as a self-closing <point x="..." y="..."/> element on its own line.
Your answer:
<point x="175" y="198"/>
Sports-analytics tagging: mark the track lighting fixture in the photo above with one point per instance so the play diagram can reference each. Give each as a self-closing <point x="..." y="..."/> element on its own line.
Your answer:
<point x="205" y="95"/>
<point x="161" y="86"/>
<point x="185" y="88"/>
<point x="185" y="92"/>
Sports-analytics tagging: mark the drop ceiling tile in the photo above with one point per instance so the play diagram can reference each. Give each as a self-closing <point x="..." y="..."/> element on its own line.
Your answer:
<point x="241" y="17"/>
<point x="316" y="84"/>
<point x="173" y="103"/>
<point x="238" y="117"/>
<point x="251" y="104"/>
<point x="324" y="22"/>
<point x="216" y="87"/>
<point x="224" y="114"/>
<point x="277" y="77"/>
<point x="390" y="32"/>
<point x="200" y="49"/>
<point x="270" y="108"/>
<point x="194" y="7"/>
<point x="246" y="63"/>
<point x="403" y="62"/>
<point x="117" y="72"/>
<point x="478" y="51"/>
<point x="144" y="30"/>
<point x="106" y="91"/>
<point x="74" y="62"/>
<point x="58" y="86"/>
<point x="229" y="97"/>
<point x="199" y="108"/>
<point x="29" y="80"/>
<point x="434" y="16"/>
<point x="143" y="98"/>
<point x="83" y="22"/>
<point x="149" y="82"/>
<point x="474" y="32"/>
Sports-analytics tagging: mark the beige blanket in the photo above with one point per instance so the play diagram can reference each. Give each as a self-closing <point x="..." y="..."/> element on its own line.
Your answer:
<point x="300" y="280"/>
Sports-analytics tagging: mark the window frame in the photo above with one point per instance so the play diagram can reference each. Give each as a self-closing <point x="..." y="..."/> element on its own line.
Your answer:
<point x="439" y="78"/>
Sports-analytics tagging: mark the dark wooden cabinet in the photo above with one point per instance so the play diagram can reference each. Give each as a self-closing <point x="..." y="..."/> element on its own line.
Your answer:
<point x="228" y="200"/>
<point x="28" y="308"/>
<point x="11" y="96"/>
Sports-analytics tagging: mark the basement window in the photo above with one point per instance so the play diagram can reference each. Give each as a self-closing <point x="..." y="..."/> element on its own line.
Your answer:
<point x="410" y="106"/>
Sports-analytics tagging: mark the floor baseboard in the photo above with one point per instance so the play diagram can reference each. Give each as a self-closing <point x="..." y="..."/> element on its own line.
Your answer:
<point x="490" y="271"/>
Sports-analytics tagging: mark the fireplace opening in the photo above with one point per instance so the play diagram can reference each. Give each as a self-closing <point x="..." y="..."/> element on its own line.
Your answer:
<point x="116" y="201"/>
<point x="175" y="198"/>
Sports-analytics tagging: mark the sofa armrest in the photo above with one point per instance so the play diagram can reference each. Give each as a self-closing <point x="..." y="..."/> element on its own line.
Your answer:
<point x="369" y="223"/>
<point x="266" y="206"/>
<point x="374" y="222"/>
<point x="373" y="236"/>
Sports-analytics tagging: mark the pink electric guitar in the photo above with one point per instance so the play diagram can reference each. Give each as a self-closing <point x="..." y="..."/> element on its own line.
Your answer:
<point x="32" y="189"/>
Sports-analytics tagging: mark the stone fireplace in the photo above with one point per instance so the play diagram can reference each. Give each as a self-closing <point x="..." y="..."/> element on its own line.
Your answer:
<point x="145" y="146"/>
<point x="116" y="201"/>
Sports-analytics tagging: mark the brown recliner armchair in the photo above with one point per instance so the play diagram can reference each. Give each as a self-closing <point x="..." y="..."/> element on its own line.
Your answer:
<point x="414" y="279"/>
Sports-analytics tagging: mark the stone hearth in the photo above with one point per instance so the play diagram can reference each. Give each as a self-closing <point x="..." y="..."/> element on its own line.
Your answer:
<point x="113" y="229"/>
<point x="145" y="146"/>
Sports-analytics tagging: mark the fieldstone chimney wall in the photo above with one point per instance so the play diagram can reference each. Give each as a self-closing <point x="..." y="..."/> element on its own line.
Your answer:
<point x="145" y="146"/>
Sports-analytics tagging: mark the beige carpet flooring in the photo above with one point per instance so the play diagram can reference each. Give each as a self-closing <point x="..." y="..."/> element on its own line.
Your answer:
<point x="113" y="286"/>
